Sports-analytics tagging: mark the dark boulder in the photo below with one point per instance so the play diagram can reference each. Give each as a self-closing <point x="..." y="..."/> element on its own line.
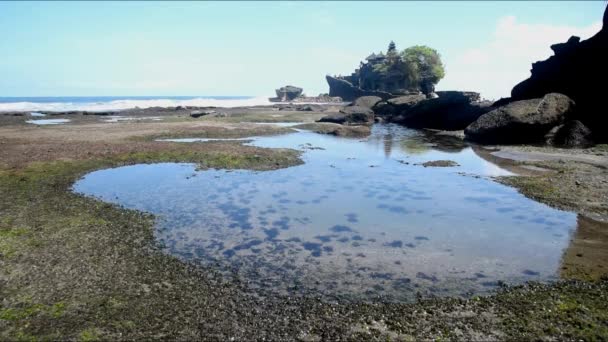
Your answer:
<point x="288" y="93"/>
<point x="571" y="134"/>
<point x="367" y="101"/>
<point x="351" y="115"/>
<point x="309" y="108"/>
<point x="573" y="70"/>
<point x="526" y="121"/>
<point x="398" y="105"/>
<point x="451" y="111"/>
<point x="198" y="113"/>
<point x="288" y="107"/>
<point x="87" y="113"/>
<point x="348" y="92"/>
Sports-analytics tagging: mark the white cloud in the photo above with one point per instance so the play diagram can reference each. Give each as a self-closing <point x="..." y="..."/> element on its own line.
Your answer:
<point x="495" y="67"/>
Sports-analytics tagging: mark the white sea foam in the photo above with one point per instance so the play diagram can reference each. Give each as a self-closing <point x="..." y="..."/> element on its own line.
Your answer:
<point x="127" y="104"/>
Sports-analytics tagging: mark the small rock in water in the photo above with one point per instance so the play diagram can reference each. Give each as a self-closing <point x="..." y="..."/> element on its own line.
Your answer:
<point x="440" y="163"/>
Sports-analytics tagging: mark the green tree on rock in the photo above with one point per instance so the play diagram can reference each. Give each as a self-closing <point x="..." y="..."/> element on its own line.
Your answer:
<point x="423" y="64"/>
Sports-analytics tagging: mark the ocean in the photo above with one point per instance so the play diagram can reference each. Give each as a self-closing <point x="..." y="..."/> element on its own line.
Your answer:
<point x="107" y="103"/>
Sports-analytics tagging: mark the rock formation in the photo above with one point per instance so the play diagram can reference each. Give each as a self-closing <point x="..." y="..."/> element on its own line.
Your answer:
<point x="574" y="70"/>
<point x="450" y="110"/>
<point x="348" y="92"/>
<point x="571" y="134"/>
<point x="351" y="115"/>
<point x="526" y="121"/>
<point x="383" y="75"/>
<point x="367" y="101"/>
<point x="288" y="93"/>
<point x="294" y="94"/>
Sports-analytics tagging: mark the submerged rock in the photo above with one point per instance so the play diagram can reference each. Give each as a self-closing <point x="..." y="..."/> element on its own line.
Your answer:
<point x="519" y="122"/>
<point x="440" y="163"/>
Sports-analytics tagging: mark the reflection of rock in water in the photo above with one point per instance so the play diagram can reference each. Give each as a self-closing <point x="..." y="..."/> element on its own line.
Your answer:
<point x="388" y="144"/>
<point x="391" y="138"/>
<point x="428" y="140"/>
<point x="587" y="254"/>
<point x="446" y="143"/>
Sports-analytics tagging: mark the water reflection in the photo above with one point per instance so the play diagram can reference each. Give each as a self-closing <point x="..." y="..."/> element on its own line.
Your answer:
<point x="48" y="121"/>
<point x="354" y="220"/>
<point x="393" y="137"/>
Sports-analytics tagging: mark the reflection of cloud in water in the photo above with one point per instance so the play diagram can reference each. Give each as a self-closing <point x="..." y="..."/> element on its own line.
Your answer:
<point x="350" y="229"/>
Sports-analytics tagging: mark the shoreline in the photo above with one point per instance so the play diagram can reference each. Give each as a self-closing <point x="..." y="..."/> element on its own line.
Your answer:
<point x="110" y="281"/>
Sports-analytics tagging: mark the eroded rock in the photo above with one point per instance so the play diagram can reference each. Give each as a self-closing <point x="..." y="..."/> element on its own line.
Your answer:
<point x="571" y="134"/>
<point x="351" y="115"/>
<point x="520" y="122"/>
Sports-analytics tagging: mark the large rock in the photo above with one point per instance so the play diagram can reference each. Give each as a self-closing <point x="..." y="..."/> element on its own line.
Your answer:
<point x="575" y="70"/>
<point x="524" y="121"/>
<point x="348" y="92"/>
<point x="288" y="93"/>
<point x="351" y="115"/>
<point x="451" y="110"/>
<point x="367" y="101"/>
<point x="571" y="134"/>
<point x="398" y="105"/>
<point x="199" y="113"/>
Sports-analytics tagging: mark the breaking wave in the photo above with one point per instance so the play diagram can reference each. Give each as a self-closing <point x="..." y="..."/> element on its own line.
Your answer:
<point x="121" y="104"/>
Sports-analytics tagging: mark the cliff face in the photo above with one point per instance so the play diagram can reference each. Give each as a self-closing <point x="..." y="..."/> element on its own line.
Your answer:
<point x="348" y="92"/>
<point x="577" y="69"/>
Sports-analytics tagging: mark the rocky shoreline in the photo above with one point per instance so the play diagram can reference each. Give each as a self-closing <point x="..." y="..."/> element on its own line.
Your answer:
<point x="73" y="267"/>
<point x="119" y="285"/>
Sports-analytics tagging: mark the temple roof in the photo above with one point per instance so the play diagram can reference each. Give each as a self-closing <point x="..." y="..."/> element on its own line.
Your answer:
<point x="374" y="57"/>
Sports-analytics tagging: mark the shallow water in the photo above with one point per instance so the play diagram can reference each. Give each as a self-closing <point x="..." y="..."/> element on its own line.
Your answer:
<point x="359" y="219"/>
<point x="192" y="140"/>
<point x="280" y="124"/>
<point x="37" y="114"/>
<point x="119" y="118"/>
<point x="48" y="121"/>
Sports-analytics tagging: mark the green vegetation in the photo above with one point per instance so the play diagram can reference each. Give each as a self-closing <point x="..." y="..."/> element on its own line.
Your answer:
<point x="423" y="64"/>
<point x="415" y="68"/>
<point x="75" y="268"/>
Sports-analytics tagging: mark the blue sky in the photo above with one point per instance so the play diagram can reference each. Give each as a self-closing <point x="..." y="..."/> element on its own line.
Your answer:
<point x="251" y="48"/>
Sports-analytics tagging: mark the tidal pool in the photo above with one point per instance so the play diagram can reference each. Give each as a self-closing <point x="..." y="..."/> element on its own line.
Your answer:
<point x="48" y="121"/>
<point x="119" y="118"/>
<point x="360" y="219"/>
